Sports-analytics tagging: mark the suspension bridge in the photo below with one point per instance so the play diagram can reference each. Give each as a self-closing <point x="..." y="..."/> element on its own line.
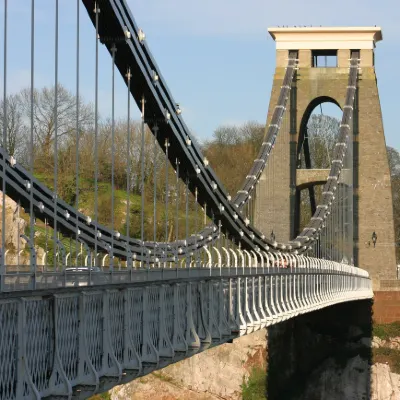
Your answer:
<point x="101" y="305"/>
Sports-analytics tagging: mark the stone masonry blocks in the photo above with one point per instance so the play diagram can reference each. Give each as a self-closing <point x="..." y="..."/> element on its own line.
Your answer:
<point x="374" y="210"/>
<point x="282" y="58"/>
<point x="366" y="58"/>
<point x="343" y="58"/>
<point x="305" y="59"/>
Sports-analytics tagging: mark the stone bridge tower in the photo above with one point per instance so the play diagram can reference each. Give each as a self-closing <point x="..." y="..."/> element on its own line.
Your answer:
<point x="277" y="202"/>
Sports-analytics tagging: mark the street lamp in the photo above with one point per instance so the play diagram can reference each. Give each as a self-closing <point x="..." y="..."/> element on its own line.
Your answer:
<point x="272" y="236"/>
<point x="374" y="238"/>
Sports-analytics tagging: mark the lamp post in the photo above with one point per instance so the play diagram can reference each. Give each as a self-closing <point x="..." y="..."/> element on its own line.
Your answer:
<point x="374" y="238"/>
<point x="272" y="236"/>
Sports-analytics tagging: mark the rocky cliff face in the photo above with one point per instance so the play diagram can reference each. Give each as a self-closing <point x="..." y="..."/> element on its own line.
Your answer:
<point x="385" y="384"/>
<point x="217" y="373"/>
<point x="357" y="379"/>
<point x="15" y="226"/>
<point x="385" y="372"/>
<point x="332" y="381"/>
<point x="325" y="355"/>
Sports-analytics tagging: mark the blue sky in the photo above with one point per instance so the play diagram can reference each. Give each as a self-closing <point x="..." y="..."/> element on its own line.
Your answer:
<point x="216" y="55"/>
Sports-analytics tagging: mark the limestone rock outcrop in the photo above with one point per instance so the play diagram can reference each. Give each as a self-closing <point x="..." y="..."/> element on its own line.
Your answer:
<point x="357" y="379"/>
<point x="217" y="373"/>
<point x="15" y="226"/>
<point x="385" y="384"/>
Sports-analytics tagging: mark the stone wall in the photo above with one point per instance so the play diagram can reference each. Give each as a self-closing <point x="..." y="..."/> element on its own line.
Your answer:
<point x="273" y="209"/>
<point x="375" y="204"/>
<point x="373" y="208"/>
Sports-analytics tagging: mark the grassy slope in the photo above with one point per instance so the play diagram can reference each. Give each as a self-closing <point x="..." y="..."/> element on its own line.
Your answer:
<point x="385" y="354"/>
<point x="87" y="205"/>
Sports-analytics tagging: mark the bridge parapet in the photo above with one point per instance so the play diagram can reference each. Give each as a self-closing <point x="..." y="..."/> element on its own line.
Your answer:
<point x="75" y="342"/>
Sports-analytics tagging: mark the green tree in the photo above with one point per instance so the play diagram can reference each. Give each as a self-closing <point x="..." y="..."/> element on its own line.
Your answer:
<point x="232" y="151"/>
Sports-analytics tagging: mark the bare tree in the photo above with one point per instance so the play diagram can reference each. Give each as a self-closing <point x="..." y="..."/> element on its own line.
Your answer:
<point x="394" y="161"/>
<point x="322" y="134"/>
<point x="16" y="130"/>
<point x="44" y="116"/>
<point x="394" y="166"/>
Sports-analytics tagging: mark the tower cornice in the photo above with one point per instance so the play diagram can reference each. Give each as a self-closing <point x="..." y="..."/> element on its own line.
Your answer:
<point x="326" y="38"/>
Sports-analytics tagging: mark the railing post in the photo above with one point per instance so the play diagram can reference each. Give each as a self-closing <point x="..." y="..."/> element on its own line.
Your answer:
<point x="178" y="340"/>
<point x="235" y="260"/>
<point x="192" y="338"/>
<point x="267" y="291"/>
<point x="33" y="268"/>
<point x="240" y="301"/>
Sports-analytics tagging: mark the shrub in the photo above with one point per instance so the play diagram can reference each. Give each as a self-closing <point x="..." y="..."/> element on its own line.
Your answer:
<point x="255" y="388"/>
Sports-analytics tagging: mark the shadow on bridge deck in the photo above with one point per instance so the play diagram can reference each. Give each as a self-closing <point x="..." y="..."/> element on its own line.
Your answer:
<point x="324" y="355"/>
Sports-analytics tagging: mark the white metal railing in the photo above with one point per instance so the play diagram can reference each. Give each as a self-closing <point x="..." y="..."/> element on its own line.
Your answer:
<point x="213" y="262"/>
